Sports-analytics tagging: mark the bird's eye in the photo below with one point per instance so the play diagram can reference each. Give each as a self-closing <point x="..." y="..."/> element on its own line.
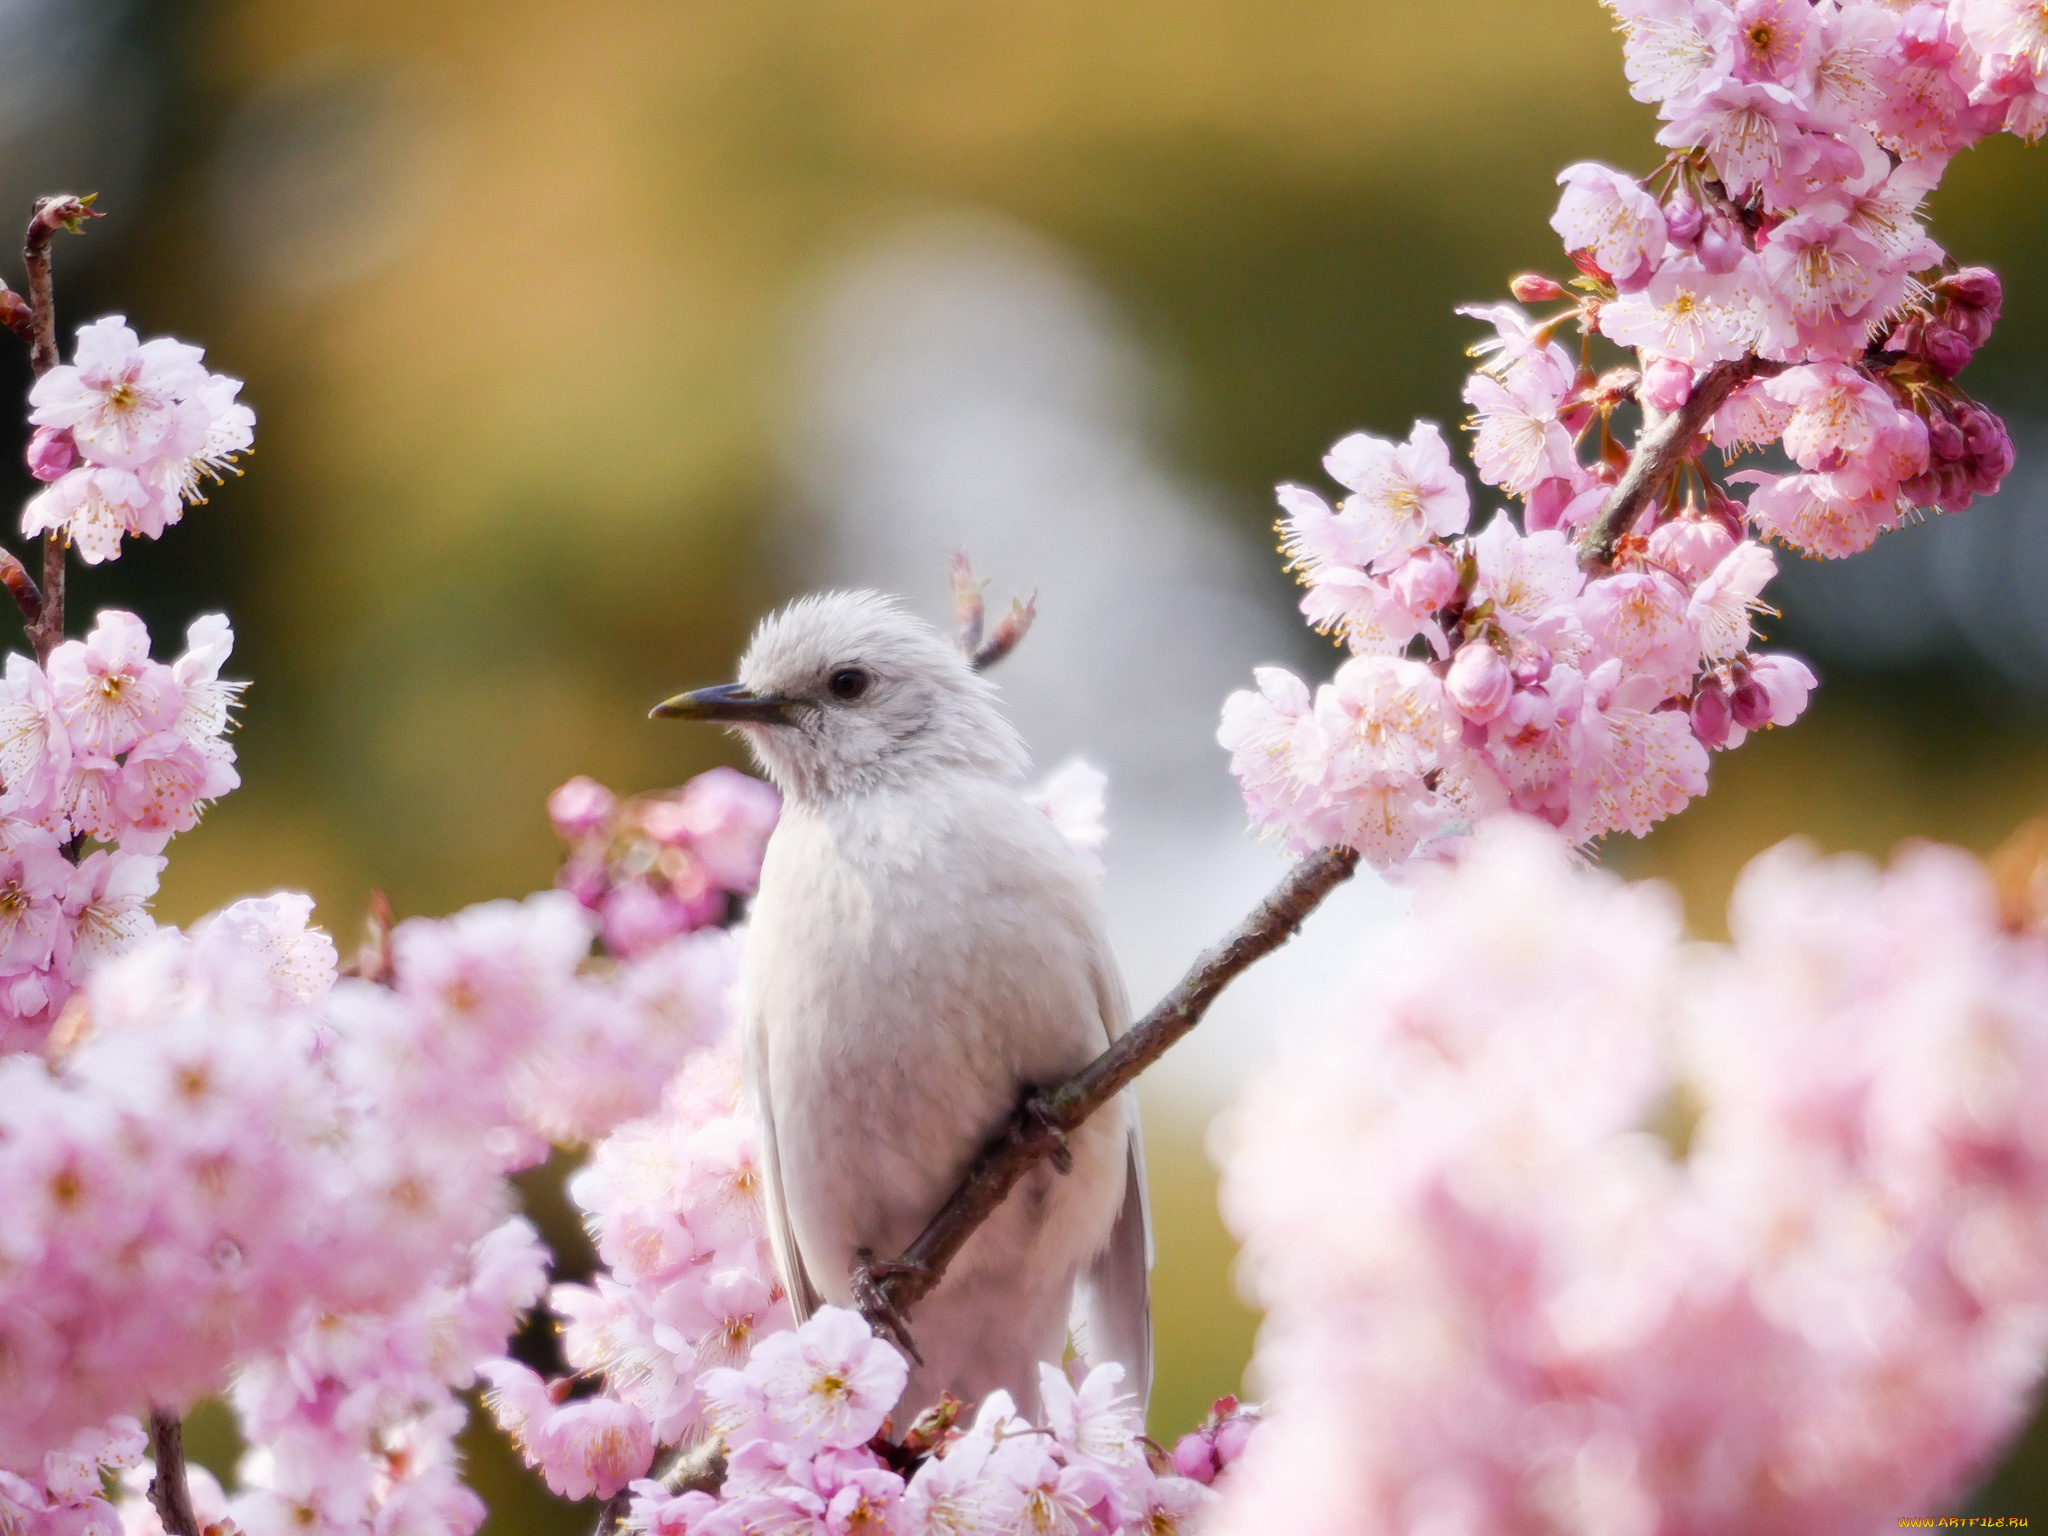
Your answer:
<point x="848" y="683"/>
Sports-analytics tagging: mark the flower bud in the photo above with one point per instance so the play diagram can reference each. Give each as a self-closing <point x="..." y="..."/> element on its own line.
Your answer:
<point x="1945" y="347"/>
<point x="1194" y="1456"/>
<point x="1977" y="287"/>
<point x="1232" y="1435"/>
<point x="1982" y="430"/>
<point x="51" y="453"/>
<point x="1721" y="244"/>
<point x="1945" y="438"/>
<point x="1667" y="383"/>
<point x="1479" y="682"/>
<point x="1683" y="218"/>
<point x="1711" y="714"/>
<point x="1535" y="288"/>
<point x="1750" y="705"/>
<point x="1424" y="582"/>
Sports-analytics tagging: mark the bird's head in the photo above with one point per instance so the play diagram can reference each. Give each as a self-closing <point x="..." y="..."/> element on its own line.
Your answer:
<point x="845" y="692"/>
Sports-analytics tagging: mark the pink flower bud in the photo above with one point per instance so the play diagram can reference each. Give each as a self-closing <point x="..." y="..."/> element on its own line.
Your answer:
<point x="1667" y="383"/>
<point x="1195" y="1457"/>
<point x="1683" y="218"/>
<point x="1479" y="682"/>
<point x="1424" y="582"/>
<point x="1945" y="439"/>
<point x="580" y="806"/>
<point x="1535" y="288"/>
<point x="1750" y="705"/>
<point x="1231" y="1437"/>
<point x="1977" y="291"/>
<point x="1721" y="244"/>
<point x="1946" y="348"/>
<point x="1711" y="714"/>
<point x="51" y="452"/>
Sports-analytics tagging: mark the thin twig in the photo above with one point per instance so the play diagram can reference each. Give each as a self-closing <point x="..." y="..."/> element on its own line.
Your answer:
<point x="1660" y="449"/>
<point x="168" y="1490"/>
<point x="1041" y="1126"/>
<point x="46" y="629"/>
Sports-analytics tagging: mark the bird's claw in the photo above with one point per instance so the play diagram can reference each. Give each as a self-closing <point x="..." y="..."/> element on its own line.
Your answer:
<point x="1036" y="1112"/>
<point x="882" y="1314"/>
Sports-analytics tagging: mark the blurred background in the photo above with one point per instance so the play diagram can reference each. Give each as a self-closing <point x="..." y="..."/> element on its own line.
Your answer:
<point x="581" y="336"/>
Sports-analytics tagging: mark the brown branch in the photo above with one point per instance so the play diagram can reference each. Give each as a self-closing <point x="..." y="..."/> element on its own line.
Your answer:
<point x="167" y="1489"/>
<point x="1041" y="1125"/>
<point x="1659" y="450"/>
<point x="969" y="614"/>
<point x="46" y="628"/>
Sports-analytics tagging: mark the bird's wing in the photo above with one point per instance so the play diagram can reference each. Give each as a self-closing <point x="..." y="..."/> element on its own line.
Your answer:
<point x="1113" y="1301"/>
<point x="803" y="1296"/>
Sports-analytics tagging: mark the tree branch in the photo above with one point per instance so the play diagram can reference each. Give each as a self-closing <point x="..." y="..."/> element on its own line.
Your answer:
<point x="46" y="627"/>
<point x="168" y="1490"/>
<point x="1041" y="1125"/>
<point x="1659" y="450"/>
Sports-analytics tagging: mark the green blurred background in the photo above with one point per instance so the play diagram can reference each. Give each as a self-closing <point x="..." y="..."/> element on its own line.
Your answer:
<point x="521" y="294"/>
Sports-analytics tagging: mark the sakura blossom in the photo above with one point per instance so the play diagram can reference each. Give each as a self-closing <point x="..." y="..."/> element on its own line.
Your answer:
<point x="1550" y="1305"/>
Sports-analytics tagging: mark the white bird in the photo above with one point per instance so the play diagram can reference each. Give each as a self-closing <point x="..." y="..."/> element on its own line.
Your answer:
<point x="925" y="948"/>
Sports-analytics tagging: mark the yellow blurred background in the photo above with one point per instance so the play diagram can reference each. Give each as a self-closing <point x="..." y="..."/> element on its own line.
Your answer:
<point x="528" y="300"/>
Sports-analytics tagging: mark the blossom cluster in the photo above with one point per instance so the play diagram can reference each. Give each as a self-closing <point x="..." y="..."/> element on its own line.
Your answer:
<point x="1640" y="1236"/>
<point x="226" y="1141"/>
<point x="802" y="1423"/>
<point x="109" y="745"/>
<point x="674" y="1204"/>
<point x="1776" y="264"/>
<point x="126" y="434"/>
<point x="658" y="865"/>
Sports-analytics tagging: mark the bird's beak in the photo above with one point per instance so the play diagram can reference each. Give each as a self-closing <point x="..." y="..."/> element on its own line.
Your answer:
<point x="727" y="702"/>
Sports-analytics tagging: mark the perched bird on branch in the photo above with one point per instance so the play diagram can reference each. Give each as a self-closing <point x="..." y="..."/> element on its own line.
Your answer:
<point x="925" y="952"/>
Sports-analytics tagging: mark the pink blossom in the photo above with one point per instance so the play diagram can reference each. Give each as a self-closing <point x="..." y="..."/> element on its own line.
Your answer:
<point x="1073" y="799"/>
<point x="1827" y="282"/>
<point x="1640" y="618"/>
<point x="127" y="404"/>
<point x="1403" y="493"/>
<point x="1523" y="576"/>
<point x="106" y="906"/>
<point x="594" y="1446"/>
<point x="95" y="507"/>
<point x="829" y="1384"/>
<point x="580" y="806"/>
<point x="1518" y="440"/>
<point x="1774" y="40"/>
<point x="1275" y="747"/>
<point x="107" y="689"/>
<point x="1818" y="514"/>
<point x="1751" y="418"/>
<point x="1743" y="126"/>
<point x="1609" y="215"/>
<point x="1720" y="607"/>
<point x="1687" y="313"/>
<point x="1673" y="48"/>
<point x="729" y="815"/>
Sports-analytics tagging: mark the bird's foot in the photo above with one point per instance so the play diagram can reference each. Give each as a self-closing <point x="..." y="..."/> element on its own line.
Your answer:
<point x="869" y="1295"/>
<point x="1036" y="1117"/>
